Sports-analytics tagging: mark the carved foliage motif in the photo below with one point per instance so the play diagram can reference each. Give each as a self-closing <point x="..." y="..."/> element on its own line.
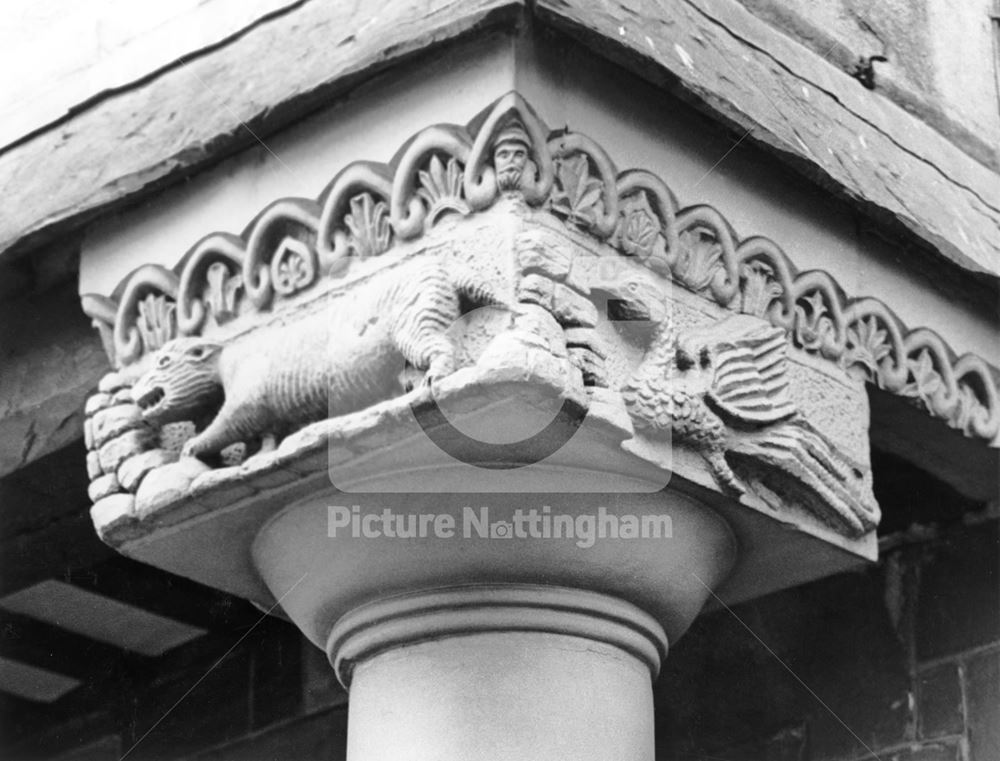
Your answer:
<point x="699" y="258"/>
<point x="577" y="195"/>
<point x="639" y="229"/>
<point x="441" y="188"/>
<point x="368" y="222"/>
<point x="461" y="170"/>
<point x="223" y="291"/>
<point x="157" y="323"/>
<point x="293" y="267"/>
<point x="759" y="289"/>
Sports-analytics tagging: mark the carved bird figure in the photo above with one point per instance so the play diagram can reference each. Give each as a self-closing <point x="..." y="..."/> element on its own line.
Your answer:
<point x="723" y="389"/>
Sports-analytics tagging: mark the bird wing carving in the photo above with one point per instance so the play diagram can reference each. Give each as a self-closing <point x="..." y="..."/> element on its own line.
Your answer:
<point x="750" y="384"/>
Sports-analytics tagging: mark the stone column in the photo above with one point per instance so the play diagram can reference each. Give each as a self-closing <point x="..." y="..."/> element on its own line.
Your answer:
<point x="499" y="672"/>
<point x="465" y="646"/>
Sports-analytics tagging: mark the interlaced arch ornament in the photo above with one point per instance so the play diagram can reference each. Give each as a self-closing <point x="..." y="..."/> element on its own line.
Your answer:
<point x="443" y="170"/>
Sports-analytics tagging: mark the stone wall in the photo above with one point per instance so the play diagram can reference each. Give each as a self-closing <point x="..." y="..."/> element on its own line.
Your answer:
<point x="903" y="659"/>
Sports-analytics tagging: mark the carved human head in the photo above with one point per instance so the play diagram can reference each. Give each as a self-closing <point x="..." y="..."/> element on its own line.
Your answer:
<point x="510" y="155"/>
<point x="183" y="382"/>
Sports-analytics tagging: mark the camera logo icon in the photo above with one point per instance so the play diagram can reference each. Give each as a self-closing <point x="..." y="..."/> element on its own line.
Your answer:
<point x="501" y="530"/>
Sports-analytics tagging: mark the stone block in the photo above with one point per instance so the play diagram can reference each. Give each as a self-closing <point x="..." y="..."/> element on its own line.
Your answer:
<point x="590" y="365"/>
<point x="112" y="511"/>
<point x="573" y="309"/>
<point x="167" y="484"/>
<point x="111" y="383"/>
<point x="587" y="338"/>
<point x="130" y="443"/>
<point x="134" y="469"/>
<point x="111" y="422"/>
<point x="96" y="402"/>
<point x="102" y="486"/>
<point x="536" y="289"/>
<point x="94" y="465"/>
<point x="534" y="255"/>
<point x="122" y="396"/>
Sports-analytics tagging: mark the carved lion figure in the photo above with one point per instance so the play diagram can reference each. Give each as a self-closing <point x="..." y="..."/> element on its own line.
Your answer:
<point x="325" y="363"/>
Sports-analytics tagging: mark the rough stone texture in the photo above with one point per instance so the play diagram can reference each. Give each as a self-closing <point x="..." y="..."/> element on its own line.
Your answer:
<point x="923" y="74"/>
<point x="114" y="45"/>
<point x="131" y="472"/>
<point x="115" y="452"/>
<point x="921" y="183"/>
<point x="174" y="124"/>
<point x="102" y="486"/>
<point x="111" y="422"/>
<point x="744" y="72"/>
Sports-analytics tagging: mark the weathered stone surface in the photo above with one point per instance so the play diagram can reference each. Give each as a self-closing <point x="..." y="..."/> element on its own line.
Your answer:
<point x="111" y="383"/>
<point x="167" y="485"/>
<point x="116" y="451"/>
<point x="132" y="470"/>
<point x="167" y="127"/>
<point x="533" y="255"/>
<point x="102" y="486"/>
<point x="536" y="289"/>
<point x="94" y="465"/>
<point x="112" y="511"/>
<point x="573" y="309"/>
<point x="893" y="166"/>
<point x="224" y="486"/>
<point x="113" y="47"/>
<point x="111" y="422"/>
<point x="96" y="402"/>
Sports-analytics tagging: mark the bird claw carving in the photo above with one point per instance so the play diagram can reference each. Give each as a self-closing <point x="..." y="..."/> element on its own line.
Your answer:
<point x="723" y="473"/>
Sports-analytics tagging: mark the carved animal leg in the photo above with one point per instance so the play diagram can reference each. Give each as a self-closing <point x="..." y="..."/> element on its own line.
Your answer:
<point x="723" y="472"/>
<point x="434" y="353"/>
<point x="219" y="434"/>
<point x="441" y="365"/>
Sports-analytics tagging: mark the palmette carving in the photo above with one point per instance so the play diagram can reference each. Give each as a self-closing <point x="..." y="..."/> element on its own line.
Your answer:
<point x="724" y="390"/>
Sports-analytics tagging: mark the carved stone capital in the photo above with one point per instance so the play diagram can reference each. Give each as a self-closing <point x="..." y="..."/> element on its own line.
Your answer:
<point x="499" y="319"/>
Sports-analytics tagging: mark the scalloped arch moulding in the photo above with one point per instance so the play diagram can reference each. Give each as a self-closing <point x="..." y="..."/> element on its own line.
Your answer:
<point x="296" y="244"/>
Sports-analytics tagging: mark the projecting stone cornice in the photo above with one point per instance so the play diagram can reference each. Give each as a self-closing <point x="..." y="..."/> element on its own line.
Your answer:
<point x="297" y="246"/>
